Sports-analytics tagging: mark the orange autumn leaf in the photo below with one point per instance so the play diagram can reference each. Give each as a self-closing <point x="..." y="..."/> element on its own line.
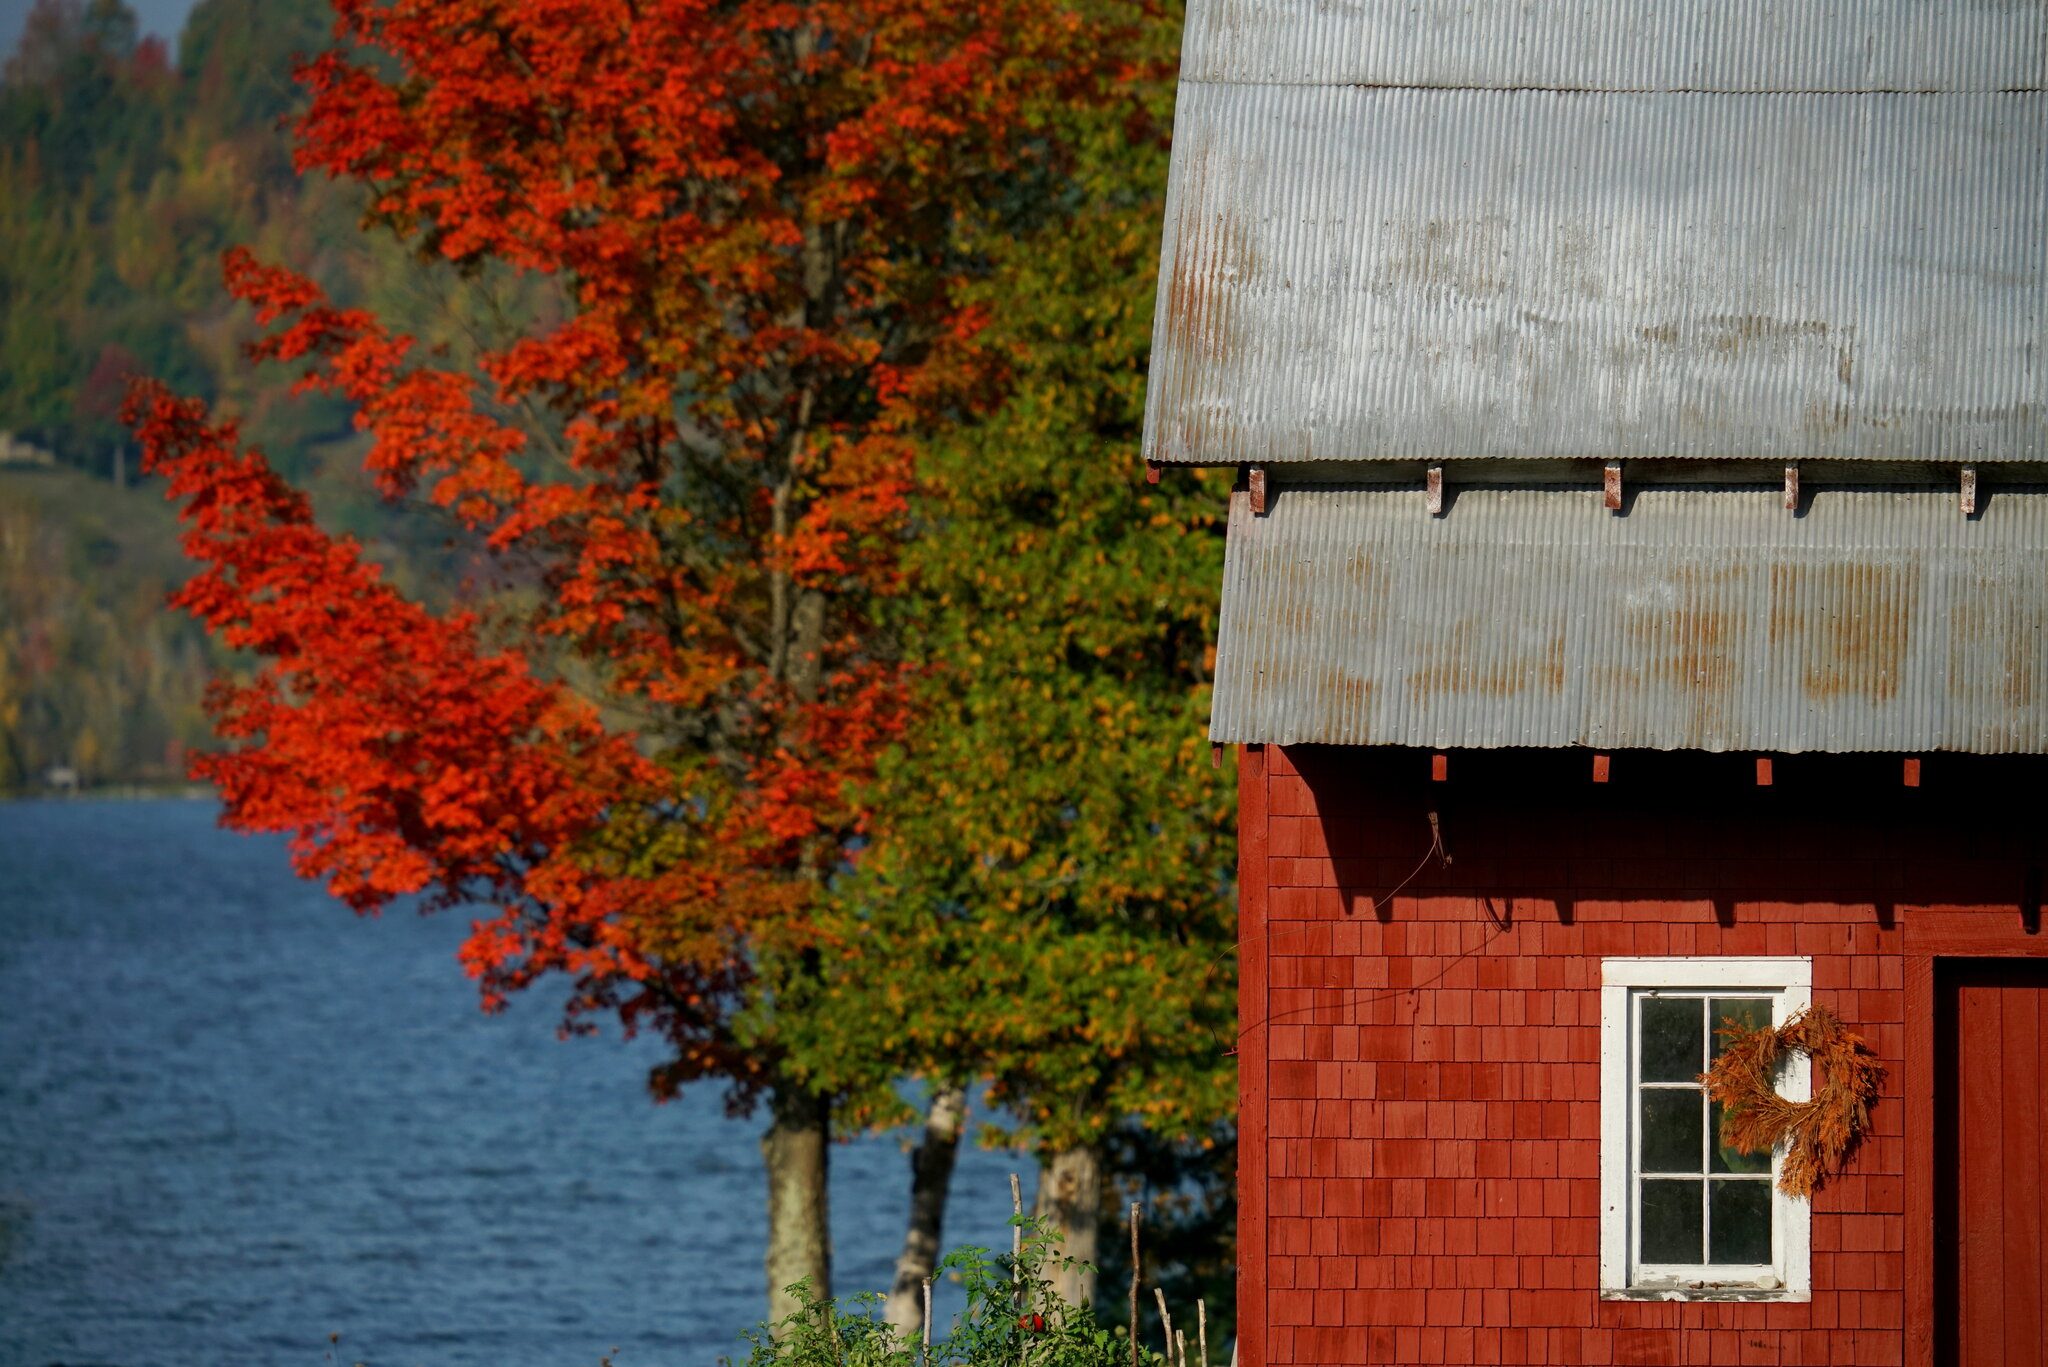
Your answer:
<point x="637" y="735"/>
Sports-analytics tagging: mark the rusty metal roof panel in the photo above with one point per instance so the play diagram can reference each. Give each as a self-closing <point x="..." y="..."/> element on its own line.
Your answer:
<point x="1356" y="272"/>
<point x="1699" y="620"/>
<point x="1722" y="45"/>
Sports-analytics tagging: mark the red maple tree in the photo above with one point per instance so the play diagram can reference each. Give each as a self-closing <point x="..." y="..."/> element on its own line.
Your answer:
<point x="637" y="735"/>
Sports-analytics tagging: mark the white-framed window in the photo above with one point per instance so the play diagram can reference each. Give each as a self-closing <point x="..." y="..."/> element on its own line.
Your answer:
<point x="1682" y="1215"/>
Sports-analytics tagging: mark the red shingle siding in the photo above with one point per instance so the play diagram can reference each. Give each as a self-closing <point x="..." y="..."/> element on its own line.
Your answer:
<point x="1420" y="1179"/>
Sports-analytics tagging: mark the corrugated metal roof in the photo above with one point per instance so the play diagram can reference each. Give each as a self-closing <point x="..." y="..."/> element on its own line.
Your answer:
<point x="1389" y="235"/>
<point x="1737" y="45"/>
<point x="1707" y="620"/>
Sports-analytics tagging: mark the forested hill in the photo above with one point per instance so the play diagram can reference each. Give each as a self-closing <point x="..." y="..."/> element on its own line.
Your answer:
<point x="124" y="173"/>
<point x="123" y="176"/>
<point x="95" y="677"/>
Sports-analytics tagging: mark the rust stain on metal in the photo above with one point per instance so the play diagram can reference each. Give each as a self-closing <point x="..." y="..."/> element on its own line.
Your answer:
<point x="2019" y="670"/>
<point x="1859" y="647"/>
<point x="1712" y="620"/>
<point x="1456" y="257"/>
<point x="1212" y="258"/>
<point x="1197" y="316"/>
<point x="1345" y="692"/>
<point x="1461" y="663"/>
<point x="1691" y="640"/>
<point x="1994" y="653"/>
<point x="1733" y="336"/>
<point x="2020" y="634"/>
<point x="1373" y="592"/>
<point x="1366" y="263"/>
<point x="1553" y="664"/>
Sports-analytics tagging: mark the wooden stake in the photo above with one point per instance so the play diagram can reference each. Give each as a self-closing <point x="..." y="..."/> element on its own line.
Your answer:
<point x="1134" y="1284"/>
<point x="1017" y="1266"/>
<point x="1016" y="1233"/>
<point x="1180" y="1345"/>
<point x="1202" y="1330"/>
<point x="1165" y="1323"/>
<point x="927" y="1322"/>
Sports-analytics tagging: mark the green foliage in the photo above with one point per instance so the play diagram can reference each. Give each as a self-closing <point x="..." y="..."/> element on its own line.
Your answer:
<point x="1047" y="894"/>
<point x="1013" y="1319"/>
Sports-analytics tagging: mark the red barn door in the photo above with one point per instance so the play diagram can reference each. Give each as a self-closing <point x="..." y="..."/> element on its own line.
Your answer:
<point x="1991" y="1232"/>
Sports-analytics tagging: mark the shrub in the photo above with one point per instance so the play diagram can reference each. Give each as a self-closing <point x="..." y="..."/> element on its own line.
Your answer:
<point x="1013" y="1319"/>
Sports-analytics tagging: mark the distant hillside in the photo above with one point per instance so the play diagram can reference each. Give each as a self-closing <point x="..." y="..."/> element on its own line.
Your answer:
<point x="123" y="176"/>
<point x="95" y="676"/>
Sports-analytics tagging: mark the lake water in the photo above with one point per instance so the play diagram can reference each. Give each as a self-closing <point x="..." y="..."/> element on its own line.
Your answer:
<point x="235" y="1119"/>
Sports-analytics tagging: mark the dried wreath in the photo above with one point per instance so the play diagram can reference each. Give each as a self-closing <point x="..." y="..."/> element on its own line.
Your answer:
<point x="1818" y="1134"/>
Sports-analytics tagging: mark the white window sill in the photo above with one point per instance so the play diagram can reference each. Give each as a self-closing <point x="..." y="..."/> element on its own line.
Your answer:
<point x="1705" y="1291"/>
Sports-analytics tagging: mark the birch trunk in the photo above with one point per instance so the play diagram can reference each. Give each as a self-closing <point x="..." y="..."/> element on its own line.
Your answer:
<point x="1070" y="1200"/>
<point x="931" y="1178"/>
<point x="796" y="1150"/>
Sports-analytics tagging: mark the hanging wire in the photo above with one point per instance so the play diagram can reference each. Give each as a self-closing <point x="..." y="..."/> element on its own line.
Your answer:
<point x="1438" y="852"/>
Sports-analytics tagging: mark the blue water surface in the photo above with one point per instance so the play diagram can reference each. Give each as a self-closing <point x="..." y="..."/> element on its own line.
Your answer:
<point x="235" y="1119"/>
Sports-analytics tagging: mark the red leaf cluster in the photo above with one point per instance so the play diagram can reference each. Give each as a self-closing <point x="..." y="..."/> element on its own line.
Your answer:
<point x="640" y="737"/>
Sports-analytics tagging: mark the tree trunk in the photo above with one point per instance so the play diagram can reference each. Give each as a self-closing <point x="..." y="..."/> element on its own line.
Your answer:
<point x="1070" y="1199"/>
<point x="931" y="1176"/>
<point x="796" y="1150"/>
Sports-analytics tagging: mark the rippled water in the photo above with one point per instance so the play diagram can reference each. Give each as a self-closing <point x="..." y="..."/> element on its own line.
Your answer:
<point x="234" y="1120"/>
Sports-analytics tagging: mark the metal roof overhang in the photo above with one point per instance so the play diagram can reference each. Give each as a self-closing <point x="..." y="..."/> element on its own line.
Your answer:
<point x="1875" y="620"/>
<point x="1643" y="229"/>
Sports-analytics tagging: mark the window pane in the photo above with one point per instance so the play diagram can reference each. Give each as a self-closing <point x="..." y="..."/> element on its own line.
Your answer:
<point x="1742" y="1222"/>
<point x="1671" y="1130"/>
<point x="1726" y="1159"/>
<point x="1754" y="1012"/>
<point x="1671" y="1222"/>
<point x="1674" y="1039"/>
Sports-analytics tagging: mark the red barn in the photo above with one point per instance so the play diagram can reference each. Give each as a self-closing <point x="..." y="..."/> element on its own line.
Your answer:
<point x="1635" y="618"/>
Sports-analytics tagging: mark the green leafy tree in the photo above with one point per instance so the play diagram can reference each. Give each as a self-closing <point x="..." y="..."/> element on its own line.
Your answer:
<point x="1047" y="890"/>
